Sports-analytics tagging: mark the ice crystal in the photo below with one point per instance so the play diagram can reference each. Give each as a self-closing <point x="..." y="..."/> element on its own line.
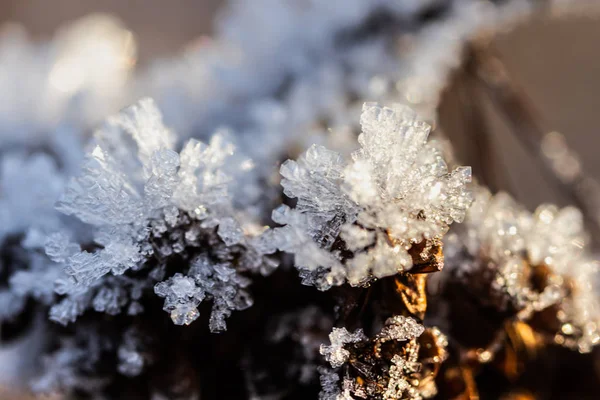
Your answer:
<point x="400" y="328"/>
<point x="219" y="282"/>
<point x="330" y="385"/>
<point x="181" y="298"/>
<point x="71" y="82"/>
<point x="22" y="207"/>
<point x="323" y="74"/>
<point x="388" y="366"/>
<point x="63" y="367"/>
<point x="335" y="352"/>
<point x="184" y="221"/>
<point x="557" y="237"/>
<point x="396" y="191"/>
<point x="397" y="384"/>
<point x="135" y="189"/>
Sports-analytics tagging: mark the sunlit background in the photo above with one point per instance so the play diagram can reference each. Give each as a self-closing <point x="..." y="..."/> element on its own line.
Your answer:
<point x="556" y="61"/>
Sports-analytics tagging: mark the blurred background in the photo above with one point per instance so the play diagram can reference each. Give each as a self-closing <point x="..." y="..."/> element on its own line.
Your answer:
<point x="556" y="62"/>
<point x="160" y="27"/>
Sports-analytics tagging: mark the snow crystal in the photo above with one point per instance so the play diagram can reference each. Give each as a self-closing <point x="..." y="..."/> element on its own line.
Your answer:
<point x="557" y="237"/>
<point x="330" y="384"/>
<point x="230" y="231"/>
<point x="148" y="202"/>
<point x="397" y="383"/>
<point x="29" y="186"/>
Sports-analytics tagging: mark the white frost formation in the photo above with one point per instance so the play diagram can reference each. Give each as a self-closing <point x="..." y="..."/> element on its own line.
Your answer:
<point x="335" y="353"/>
<point x="394" y="192"/>
<point x="500" y="236"/>
<point x="135" y="190"/>
<point x="402" y="365"/>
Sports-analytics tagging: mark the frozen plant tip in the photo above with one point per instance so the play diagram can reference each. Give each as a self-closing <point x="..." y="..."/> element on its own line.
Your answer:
<point x="151" y="208"/>
<point x="356" y="220"/>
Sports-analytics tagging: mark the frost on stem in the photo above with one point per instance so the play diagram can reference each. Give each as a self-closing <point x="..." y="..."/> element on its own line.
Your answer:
<point x="356" y="220"/>
<point x="400" y="328"/>
<point x="394" y="364"/>
<point x="335" y="352"/>
<point x="525" y="263"/>
<point x="152" y="207"/>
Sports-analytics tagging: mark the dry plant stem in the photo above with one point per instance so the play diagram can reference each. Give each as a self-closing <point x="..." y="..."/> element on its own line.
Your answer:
<point x="477" y="129"/>
<point x="516" y="108"/>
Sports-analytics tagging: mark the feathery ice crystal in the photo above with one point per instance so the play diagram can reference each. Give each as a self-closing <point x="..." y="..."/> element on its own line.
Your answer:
<point x="356" y="220"/>
<point x="149" y="205"/>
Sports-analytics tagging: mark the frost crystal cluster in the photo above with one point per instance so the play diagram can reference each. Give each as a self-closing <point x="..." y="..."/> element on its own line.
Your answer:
<point x="41" y="130"/>
<point x="168" y="250"/>
<point x="150" y="205"/>
<point x="394" y="353"/>
<point x="528" y="263"/>
<point x="357" y="220"/>
<point x="335" y="353"/>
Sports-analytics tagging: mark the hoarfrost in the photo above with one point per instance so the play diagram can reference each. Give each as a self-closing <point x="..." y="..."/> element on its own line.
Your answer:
<point x="395" y="192"/>
<point x="502" y="238"/>
<point x="335" y="353"/>
<point x="146" y="200"/>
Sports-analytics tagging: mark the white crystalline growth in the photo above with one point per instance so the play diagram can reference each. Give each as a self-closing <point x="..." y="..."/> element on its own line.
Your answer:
<point x="134" y="187"/>
<point x="335" y="353"/>
<point x="400" y="328"/>
<point x="397" y="328"/>
<point x="558" y="240"/>
<point x="496" y="233"/>
<point x="182" y="296"/>
<point x="29" y="186"/>
<point x="131" y="153"/>
<point x="395" y="191"/>
<point x="220" y="283"/>
<point x="128" y="179"/>
<point x="500" y="236"/>
<point x="62" y="368"/>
